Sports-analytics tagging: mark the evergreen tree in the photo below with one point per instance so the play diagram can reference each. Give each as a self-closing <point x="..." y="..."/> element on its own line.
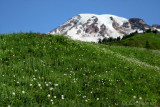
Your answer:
<point x="99" y="41"/>
<point x="104" y="40"/>
<point x="155" y="31"/>
<point x="110" y="39"/>
<point x="136" y="32"/>
<point x="118" y="38"/>
<point x="148" y="31"/>
<point x="147" y="44"/>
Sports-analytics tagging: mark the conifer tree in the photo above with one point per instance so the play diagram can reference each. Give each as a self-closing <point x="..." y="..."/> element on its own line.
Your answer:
<point x="147" y="44"/>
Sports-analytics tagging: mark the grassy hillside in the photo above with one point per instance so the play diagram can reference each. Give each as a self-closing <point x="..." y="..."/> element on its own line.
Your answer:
<point x="139" y="40"/>
<point x="46" y="70"/>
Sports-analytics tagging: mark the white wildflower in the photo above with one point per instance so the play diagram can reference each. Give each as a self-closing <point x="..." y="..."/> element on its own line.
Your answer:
<point x="84" y="96"/>
<point x="23" y="92"/>
<point x="51" y="88"/>
<point x="13" y="93"/>
<point x="62" y="96"/>
<point x="49" y="95"/>
<point x="39" y="85"/>
<point x="134" y="96"/>
<point x="55" y="97"/>
<point x="55" y="85"/>
<point x="140" y="98"/>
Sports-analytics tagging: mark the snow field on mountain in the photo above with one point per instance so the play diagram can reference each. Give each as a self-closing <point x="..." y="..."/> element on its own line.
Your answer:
<point x="82" y="19"/>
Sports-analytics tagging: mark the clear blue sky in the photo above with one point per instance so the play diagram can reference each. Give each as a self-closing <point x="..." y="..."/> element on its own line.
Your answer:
<point x="44" y="15"/>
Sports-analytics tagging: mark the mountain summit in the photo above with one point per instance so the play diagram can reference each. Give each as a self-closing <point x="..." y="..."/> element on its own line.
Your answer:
<point x="92" y="27"/>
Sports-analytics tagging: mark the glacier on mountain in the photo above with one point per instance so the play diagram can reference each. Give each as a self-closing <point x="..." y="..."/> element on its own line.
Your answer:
<point x="92" y="27"/>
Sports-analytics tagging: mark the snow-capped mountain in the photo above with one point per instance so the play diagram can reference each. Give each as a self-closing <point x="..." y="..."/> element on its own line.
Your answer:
<point x="92" y="27"/>
<point x="156" y="27"/>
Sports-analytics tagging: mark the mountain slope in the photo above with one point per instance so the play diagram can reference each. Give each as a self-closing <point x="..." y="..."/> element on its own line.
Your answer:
<point x="140" y="40"/>
<point x="47" y="70"/>
<point x="92" y="27"/>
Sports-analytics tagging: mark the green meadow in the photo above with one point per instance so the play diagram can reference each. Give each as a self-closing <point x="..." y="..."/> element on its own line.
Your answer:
<point x="140" y="40"/>
<point x="45" y="70"/>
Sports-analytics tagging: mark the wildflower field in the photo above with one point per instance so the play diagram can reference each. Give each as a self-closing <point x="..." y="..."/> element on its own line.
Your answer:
<point x="46" y="70"/>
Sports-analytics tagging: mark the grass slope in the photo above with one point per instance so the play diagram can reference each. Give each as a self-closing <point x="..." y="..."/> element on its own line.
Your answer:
<point x="139" y="40"/>
<point x="45" y="70"/>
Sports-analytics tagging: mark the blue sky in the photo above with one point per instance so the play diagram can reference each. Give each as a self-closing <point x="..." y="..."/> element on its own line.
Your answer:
<point x="44" y="15"/>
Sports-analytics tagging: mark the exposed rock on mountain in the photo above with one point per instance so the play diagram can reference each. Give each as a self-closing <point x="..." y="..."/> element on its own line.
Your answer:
<point x="138" y="24"/>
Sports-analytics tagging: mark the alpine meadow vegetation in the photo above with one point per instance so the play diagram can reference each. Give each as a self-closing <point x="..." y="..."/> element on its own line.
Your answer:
<point x="46" y="70"/>
<point x="148" y="39"/>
